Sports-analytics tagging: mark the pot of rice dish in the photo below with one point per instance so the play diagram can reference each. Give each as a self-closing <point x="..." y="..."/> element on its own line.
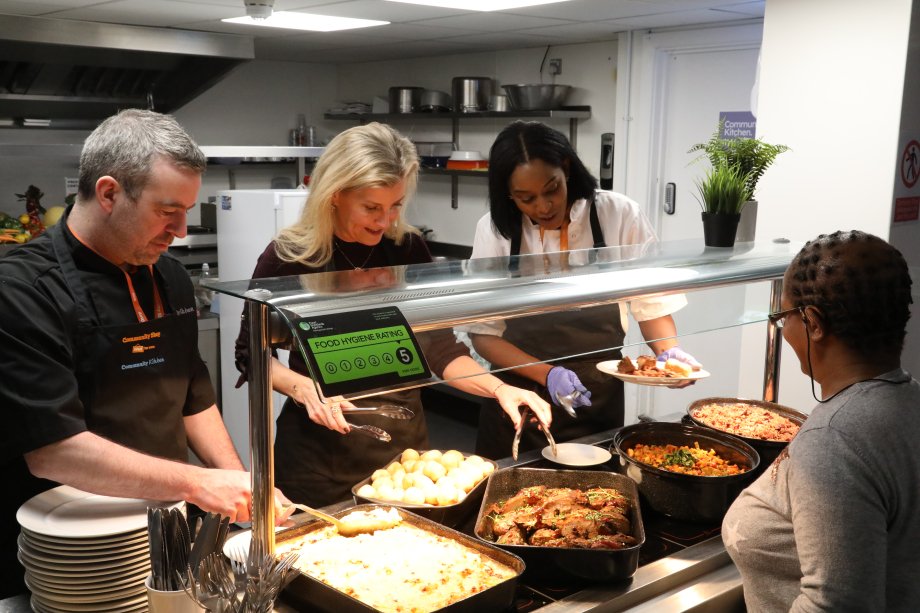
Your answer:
<point x="766" y="426"/>
<point x="685" y="471"/>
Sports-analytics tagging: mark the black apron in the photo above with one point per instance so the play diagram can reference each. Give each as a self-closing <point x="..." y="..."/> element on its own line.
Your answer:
<point x="133" y="378"/>
<point x="133" y="384"/>
<point x="318" y="466"/>
<point x="568" y="333"/>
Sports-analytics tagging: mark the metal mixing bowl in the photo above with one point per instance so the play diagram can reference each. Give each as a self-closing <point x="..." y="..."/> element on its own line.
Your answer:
<point x="537" y="97"/>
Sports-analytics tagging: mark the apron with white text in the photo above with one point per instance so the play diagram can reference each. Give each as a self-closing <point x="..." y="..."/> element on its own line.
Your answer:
<point x="133" y="378"/>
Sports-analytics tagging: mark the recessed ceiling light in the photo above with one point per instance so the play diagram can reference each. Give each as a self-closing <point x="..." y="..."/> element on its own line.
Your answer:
<point x="307" y="21"/>
<point x="480" y="5"/>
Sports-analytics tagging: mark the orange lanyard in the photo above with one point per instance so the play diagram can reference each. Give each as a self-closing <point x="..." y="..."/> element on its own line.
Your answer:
<point x="158" y="310"/>
<point x="563" y="236"/>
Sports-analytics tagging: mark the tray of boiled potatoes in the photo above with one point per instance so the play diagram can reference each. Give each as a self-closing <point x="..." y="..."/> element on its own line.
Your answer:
<point x="441" y="485"/>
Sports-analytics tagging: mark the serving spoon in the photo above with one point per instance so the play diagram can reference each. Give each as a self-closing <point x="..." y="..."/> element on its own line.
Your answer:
<point x="351" y="525"/>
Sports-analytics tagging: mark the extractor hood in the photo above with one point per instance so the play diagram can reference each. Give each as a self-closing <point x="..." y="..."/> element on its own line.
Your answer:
<point x="79" y="72"/>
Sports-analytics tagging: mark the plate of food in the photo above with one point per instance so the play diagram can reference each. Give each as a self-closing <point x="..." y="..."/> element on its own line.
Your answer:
<point x="646" y="370"/>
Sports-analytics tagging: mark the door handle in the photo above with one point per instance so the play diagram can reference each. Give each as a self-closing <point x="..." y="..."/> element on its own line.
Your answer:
<point x="670" y="198"/>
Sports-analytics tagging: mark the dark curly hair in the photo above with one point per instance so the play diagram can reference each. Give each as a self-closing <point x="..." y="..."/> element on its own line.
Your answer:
<point x="518" y="143"/>
<point x="860" y="284"/>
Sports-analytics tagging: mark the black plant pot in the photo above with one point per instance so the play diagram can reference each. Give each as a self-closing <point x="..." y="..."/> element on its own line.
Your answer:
<point x="719" y="229"/>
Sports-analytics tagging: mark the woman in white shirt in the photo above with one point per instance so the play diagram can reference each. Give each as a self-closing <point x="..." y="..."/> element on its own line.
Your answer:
<point x="543" y="200"/>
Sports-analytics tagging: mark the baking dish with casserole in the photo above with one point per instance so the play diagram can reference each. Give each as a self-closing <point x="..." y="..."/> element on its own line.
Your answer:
<point x="419" y="566"/>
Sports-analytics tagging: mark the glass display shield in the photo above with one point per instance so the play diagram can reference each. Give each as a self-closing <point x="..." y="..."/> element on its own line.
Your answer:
<point x="560" y="306"/>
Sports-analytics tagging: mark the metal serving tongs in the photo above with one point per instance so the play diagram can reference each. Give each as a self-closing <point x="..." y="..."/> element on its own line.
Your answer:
<point x="372" y="431"/>
<point x="517" y="435"/>
<point x="566" y="402"/>
<point x="393" y="411"/>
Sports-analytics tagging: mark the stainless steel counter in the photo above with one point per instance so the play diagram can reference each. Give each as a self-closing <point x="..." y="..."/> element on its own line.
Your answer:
<point x="699" y="578"/>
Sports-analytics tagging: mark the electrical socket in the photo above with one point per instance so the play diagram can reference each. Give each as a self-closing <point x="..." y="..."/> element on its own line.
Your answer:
<point x="555" y="66"/>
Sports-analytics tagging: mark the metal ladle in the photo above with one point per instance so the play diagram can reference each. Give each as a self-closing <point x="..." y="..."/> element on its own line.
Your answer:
<point x="352" y="526"/>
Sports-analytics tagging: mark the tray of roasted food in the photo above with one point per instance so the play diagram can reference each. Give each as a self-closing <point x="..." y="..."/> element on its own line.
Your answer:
<point x="416" y="566"/>
<point x="766" y="426"/>
<point x="444" y="486"/>
<point x="646" y="370"/>
<point x="685" y="471"/>
<point x="586" y="524"/>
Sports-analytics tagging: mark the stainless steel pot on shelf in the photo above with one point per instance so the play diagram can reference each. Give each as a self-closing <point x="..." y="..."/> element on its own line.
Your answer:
<point x="471" y="94"/>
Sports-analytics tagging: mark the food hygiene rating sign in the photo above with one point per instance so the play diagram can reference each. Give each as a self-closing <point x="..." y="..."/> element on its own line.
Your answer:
<point x="361" y="350"/>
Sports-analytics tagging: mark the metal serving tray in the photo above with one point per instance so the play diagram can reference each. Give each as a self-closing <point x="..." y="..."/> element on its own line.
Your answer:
<point x="313" y="594"/>
<point x="594" y="564"/>
<point x="451" y="515"/>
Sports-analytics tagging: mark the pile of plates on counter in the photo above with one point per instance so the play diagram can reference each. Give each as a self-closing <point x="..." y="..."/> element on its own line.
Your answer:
<point x="85" y="552"/>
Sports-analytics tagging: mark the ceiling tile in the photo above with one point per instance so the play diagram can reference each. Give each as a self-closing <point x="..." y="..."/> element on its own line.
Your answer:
<point x="492" y="22"/>
<point x="163" y="13"/>
<point x="681" y="18"/>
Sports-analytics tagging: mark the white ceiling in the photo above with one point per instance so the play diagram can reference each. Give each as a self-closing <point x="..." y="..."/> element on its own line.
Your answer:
<point x="414" y="31"/>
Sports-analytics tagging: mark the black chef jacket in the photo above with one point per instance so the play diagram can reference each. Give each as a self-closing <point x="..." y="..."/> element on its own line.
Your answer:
<point x="39" y="395"/>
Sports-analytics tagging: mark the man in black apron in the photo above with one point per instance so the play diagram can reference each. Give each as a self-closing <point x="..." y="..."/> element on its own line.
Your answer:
<point x="104" y="389"/>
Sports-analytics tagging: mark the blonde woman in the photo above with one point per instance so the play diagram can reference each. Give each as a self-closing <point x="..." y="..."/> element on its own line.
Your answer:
<point x="354" y="220"/>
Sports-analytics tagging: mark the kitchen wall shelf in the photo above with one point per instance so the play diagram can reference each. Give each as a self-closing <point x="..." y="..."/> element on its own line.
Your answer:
<point x="572" y="113"/>
<point x="234" y="155"/>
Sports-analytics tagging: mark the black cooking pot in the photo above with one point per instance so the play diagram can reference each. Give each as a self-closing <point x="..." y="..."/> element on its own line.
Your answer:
<point x="687" y="497"/>
<point x="768" y="450"/>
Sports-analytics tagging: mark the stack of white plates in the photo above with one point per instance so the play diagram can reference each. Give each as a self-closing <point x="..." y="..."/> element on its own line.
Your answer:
<point x="84" y="552"/>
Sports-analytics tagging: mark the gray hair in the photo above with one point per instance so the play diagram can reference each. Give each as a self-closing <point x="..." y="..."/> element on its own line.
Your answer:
<point x="125" y="145"/>
<point x="372" y="155"/>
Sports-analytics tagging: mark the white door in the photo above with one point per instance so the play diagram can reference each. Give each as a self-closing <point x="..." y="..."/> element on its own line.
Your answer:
<point x="698" y="86"/>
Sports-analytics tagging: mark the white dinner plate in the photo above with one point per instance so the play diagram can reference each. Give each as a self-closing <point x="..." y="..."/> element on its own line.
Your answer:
<point x="133" y="603"/>
<point x="236" y="547"/>
<point x="90" y="551"/>
<point x="68" y="512"/>
<point x="88" y="571"/>
<point x="126" y="539"/>
<point x="55" y="557"/>
<point x="610" y="367"/>
<point x="51" y="593"/>
<point x="576" y="454"/>
<point x="56" y="585"/>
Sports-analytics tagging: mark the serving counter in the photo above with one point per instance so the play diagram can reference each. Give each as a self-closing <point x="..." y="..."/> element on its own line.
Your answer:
<point x="684" y="566"/>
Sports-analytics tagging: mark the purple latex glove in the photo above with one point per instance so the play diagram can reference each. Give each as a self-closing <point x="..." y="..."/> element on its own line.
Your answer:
<point x="676" y="353"/>
<point x="563" y="381"/>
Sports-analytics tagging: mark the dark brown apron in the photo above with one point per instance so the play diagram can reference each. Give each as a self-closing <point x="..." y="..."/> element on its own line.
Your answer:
<point x="566" y="333"/>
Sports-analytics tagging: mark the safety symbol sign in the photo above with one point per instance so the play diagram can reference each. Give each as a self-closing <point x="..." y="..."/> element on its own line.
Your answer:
<point x="910" y="164"/>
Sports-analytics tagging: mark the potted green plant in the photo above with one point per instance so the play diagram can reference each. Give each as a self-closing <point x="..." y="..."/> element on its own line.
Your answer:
<point x="750" y="157"/>
<point x="722" y="193"/>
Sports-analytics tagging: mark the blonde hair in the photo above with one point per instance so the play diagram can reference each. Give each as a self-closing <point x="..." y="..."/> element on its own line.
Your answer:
<point x="371" y="155"/>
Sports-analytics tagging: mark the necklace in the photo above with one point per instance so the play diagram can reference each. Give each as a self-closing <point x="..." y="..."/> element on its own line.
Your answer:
<point x="352" y="264"/>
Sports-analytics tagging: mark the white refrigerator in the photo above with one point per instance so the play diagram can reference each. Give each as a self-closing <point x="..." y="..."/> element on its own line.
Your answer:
<point x="247" y="221"/>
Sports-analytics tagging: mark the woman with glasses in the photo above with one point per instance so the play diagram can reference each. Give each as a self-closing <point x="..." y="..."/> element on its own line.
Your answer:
<point x="833" y="525"/>
<point x="542" y="199"/>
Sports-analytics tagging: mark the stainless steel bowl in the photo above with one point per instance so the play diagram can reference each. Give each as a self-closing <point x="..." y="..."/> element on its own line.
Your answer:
<point x="537" y="97"/>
